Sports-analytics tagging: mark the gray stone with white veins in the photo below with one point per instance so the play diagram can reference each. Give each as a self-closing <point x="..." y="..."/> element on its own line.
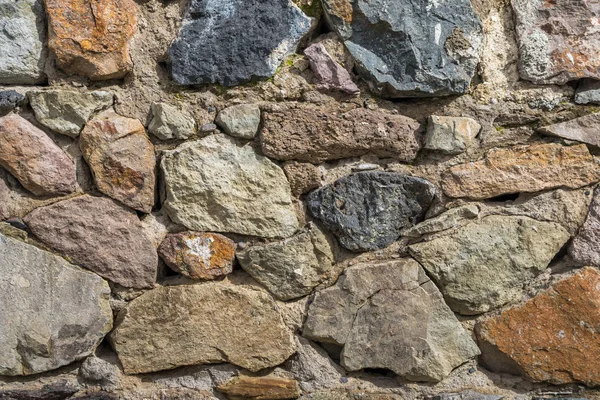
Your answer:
<point x="237" y="41"/>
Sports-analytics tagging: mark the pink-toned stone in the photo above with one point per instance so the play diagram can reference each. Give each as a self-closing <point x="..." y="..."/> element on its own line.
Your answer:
<point x="584" y="129"/>
<point x="328" y="73"/>
<point x="34" y="159"/>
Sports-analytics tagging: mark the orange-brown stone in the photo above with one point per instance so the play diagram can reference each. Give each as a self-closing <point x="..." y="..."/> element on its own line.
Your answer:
<point x="198" y="255"/>
<point x="90" y="37"/>
<point x="260" y="388"/>
<point x="522" y="169"/>
<point x="553" y="337"/>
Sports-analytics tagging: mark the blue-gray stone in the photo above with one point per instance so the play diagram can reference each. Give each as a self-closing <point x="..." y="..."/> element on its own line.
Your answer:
<point x="9" y="100"/>
<point x="410" y="48"/>
<point x="235" y="41"/>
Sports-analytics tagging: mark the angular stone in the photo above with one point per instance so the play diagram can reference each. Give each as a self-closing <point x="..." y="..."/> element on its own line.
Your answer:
<point x="101" y="372"/>
<point x="588" y="92"/>
<point x="240" y="121"/>
<point x="303" y="177"/>
<point x="452" y="218"/>
<point x="362" y="313"/>
<point x="59" y="390"/>
<point x="504" y="252"/>
<point x="522" y="169"/>
<point x="582" y="129"/>
<point x="100" y="235"/>
<point x="121" y="158"/>
<point x="34" y="159"/>
<point x="9" y="100"/>
<point x="294" y="267"/>
<point x="328" y="73"/>
<point x="221" y="323"/>
<point x="198" y="255"/>
<point x="369" y="210"/>
<point x="557" y="40"/>
<point x="22" y="40"/>
<point x="584" y="248"/>
<point x="233" y="42"/>
<point x="169" y="122"/>
<point x="91" y="37"/>
<point x="53" y="313"/>
<point x="308" y="134"/>
<point x="410" y="48"/>
<point x="450" y="135"/>
<point x="216" y="185"/>
<point x="67" y="112"/>
<point x="260" y="388"/>
<point x="552" y="337"/>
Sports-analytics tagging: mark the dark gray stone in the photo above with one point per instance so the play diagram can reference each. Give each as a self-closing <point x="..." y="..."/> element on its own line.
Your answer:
<point x="56" y="391"/>
<point x="232" y="42"/>
<point x="368" y="210"/>
<point x="410" y="48"/>
<point x="9" y="100"/>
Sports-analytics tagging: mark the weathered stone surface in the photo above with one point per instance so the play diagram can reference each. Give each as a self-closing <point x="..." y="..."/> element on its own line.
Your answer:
<point x="450" y="135"/>
<point x="169" y="122"/>
<point x="53" y="313"/>
<point x="504" y="252"/>
<point x="294" y="267"/>
<point x="557" y="40"/>
<point x="328" y="73"/>
<point x="9" y="100"/>
<point x="60" y="390"/>
<point x="260" y="388"/>
<point x="452" y="218"/>
<point x="303" y="177"/>
<point x="101" y="372"/>
<point x="583" y="129"/>
<point x="214" y="184"/>
<point x="198" y="255"/>
<point x="221" y="323"/>
<point x="584" y="248"/>
<point x="90" y="37"/>
<point x="100" y="235"/>
<point x="235" y="42"/>
<point x="240" y="121"/>
<point x="22" y="40"/>
<point x="34" y="159"/>
<point x="121" y="158"/>
<point x="410" y="48"/>
<point x="588" y="92"/>
<point x="306" y="133"/>
<point x="552" y="337"/>
<point x="362" y="312"/>
<point x="369" y="210"/>
<point x="65" y="111"/>
<point x="522" y="169"/>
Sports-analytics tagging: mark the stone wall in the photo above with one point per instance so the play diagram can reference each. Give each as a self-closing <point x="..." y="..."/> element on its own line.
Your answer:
<point x="277" y="199"/>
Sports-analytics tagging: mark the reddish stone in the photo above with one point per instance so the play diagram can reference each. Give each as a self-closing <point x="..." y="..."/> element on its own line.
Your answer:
<point x="328" y="73"/>
<point x="553" y="337"/>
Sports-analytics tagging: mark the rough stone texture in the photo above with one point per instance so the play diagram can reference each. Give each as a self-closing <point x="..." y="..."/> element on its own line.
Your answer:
<point x="9" y="100"/>
<point x="34" y="159"/>
<point x="452" y="218"/>
<point x="220" y="323"/>
<point x="584" y="248"/>
<point x="53" y="313"/>
<point x="214" y="184"/>
<point x="557" y="40"/>
<point x="450" y="135"/>
<point x="556" y="339"/>
<point x="235" y="42"/>
<point x="294" y="267"/>
<point x="504" y="252"/>
<point x="198" y="255"/>
<point x="369" y="210"/>
<point x="329" y="75"/>
<point x="90" y="37"/>
<point x="101" y="372"/>
<point x="260" y="388"/>
<point x="65" y="111"/>
<point x="362" y="312"/>
<point x="582" y="129"/>
<point x="169" y="122"/>
<point x="410" y="48"/>
<point x="22" y="40"/>
<point x="240" y="121"/>
<point x="60" y="390"/>
<point x="522" y="169"/>
<point x="588" y="92"/>
<point x="100" y="235"/>
<point x="307" y="133"/>
<point x="303" y="177"/>
<point x="121" y="158"/>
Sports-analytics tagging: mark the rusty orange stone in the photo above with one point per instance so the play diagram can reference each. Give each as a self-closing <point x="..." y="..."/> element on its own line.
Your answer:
<point x="554" y="337"/>
<point x="90" y="37"/>
<point x="260" y="388"/>
<point x="198" y="255"/>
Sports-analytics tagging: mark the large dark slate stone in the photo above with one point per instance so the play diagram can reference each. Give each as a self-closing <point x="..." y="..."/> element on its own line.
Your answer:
<point x="235" y="41"/>
<point x="410" y="48"/>
<point x="368" y="210"/>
